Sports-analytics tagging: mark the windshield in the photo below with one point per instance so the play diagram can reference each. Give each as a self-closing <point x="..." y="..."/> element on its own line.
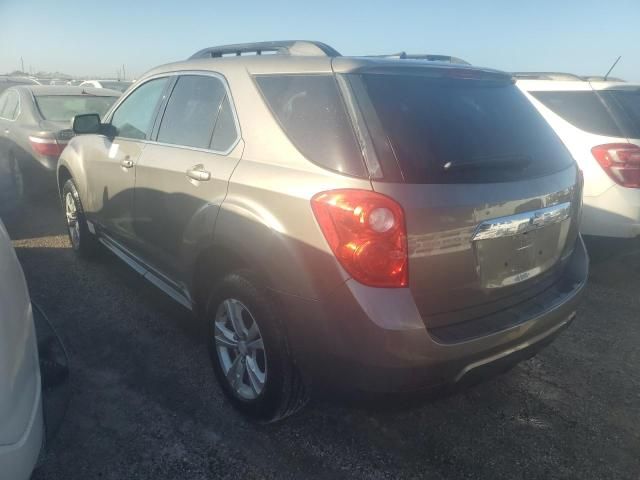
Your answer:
<point x="62" y="108"/>
<point x="462" y="131"/>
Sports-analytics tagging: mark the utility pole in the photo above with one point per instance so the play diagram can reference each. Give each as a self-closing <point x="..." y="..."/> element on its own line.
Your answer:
<point x="124" y="75"/>
<point x="21" y="65"/>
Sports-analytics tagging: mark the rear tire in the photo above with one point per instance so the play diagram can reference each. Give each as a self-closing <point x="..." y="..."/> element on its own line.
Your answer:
<point x="83" y="242"/>
<point x="249" y="351"/>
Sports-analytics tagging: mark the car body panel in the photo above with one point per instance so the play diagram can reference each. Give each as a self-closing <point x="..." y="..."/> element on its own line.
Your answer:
<point x="21" y="423"/>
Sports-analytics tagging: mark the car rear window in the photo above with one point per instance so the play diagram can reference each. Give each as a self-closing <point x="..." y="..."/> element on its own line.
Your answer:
<point x="62" y="108"/>
<point x="626" y="104"/>
<point x="444" y="130"/>
<point x="312" y="113"/>
<point x="583" y="110"/>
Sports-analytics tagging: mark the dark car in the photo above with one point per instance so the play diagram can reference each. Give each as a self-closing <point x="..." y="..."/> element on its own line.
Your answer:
<point x="35" y="126"/>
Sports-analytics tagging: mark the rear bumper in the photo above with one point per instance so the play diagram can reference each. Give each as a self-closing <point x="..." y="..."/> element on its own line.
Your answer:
<point x="18" y="460"/>
<point x="374" y="340"/>
<point x="614" y="213"/>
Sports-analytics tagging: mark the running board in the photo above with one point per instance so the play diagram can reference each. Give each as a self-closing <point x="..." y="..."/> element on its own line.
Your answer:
<point x="127" y="257"/>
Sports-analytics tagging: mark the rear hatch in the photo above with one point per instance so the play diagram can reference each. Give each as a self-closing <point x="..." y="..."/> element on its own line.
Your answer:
<point x="491" y="195"/>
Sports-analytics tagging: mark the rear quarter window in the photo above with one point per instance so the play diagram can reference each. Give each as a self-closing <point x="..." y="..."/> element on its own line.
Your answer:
<point x="310" y="110"/>
<point x="583" y="110"/>
<point x="626" y="104"/>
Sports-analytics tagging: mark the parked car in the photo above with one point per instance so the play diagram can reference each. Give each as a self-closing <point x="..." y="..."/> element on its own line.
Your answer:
<point x="8" y="81"/>
<point x="35" y="125"/>
<point x="599" y="122"/>
<point x="370" y="224"/>
<point x="21" y="420"/>
<point x="120" y="85"/>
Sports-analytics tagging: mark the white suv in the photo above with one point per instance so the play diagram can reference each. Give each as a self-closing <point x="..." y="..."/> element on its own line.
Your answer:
<point x="599" y="122"/>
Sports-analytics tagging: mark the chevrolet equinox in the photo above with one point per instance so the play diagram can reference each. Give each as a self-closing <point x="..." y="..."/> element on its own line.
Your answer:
<point x="381" y="225"/>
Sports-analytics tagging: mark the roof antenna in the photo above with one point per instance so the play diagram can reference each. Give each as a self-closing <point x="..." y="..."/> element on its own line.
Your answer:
<point x="612" y="67"/>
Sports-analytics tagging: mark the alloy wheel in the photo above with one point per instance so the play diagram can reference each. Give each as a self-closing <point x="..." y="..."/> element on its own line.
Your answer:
<point x="240" y="349"/>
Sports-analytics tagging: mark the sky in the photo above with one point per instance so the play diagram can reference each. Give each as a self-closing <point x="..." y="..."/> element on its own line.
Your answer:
<point x="90" y="38"/>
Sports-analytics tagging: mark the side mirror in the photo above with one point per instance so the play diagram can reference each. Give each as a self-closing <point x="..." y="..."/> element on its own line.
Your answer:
<point x="87" y="123"/>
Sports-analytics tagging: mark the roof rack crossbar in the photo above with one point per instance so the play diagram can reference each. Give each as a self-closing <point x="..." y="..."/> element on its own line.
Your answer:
<point x="423" y="56"/>
<point x="282" y="47"/>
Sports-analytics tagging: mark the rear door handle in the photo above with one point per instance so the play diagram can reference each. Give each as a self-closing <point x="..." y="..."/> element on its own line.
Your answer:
<point x="7" y="131"/>
<point x="198" y="173"/>
<point x="126" y="163"/>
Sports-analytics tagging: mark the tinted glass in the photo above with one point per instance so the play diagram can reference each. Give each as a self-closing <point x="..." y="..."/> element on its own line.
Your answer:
<point x="310" y="110"/>
<point x="583" y="110"/>
<point x="627" y="104"/>
<point x="192" y="111"/>
<point x="462" y="131"/>
<point x="10" y="108"/>
<point x="134" y="117"/>
<point x="225" y="132"/>
<point x="62" y="108"/>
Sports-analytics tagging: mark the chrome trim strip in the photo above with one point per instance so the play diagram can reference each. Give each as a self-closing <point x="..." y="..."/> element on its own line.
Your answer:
<point x="130" y="259"/>
<point x="521" y="222"/>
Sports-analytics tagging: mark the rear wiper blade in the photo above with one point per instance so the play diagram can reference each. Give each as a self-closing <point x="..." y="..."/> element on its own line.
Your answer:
<point x="494" y="161"/>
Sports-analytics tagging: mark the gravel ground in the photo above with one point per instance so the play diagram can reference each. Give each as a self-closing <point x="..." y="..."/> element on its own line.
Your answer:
<point x="143" y="403"/>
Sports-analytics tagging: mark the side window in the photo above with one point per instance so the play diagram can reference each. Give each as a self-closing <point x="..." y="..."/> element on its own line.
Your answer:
<point x="311" y="112"/>
<point x="3" y="101"/>
<point x="134" y="117"/>
<point x="225" y="132"/>
<point x="10" y="108"/>
<point x="193" y="111"/>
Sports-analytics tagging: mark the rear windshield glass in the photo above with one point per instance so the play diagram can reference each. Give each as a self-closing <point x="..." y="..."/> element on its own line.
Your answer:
<point x="583" y="110"/>
<point x="462" y="131"/>
<point x="627" y="106"/>
<point x="62" y="108"/>
<point x="311" y="112"/>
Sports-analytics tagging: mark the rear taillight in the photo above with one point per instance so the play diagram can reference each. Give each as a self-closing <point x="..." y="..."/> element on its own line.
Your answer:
<point x="367" y="233"/>
<point x="49" y="147"/>
<point x="621" y="161"/>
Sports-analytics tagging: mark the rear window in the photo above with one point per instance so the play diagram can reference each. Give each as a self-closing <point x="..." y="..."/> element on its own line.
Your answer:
<point x="62" y="108"/>
<point x="626" y="104"/>
<point x="583" y="110"/>
<point x="461" y="131"/>
<point x="312" y="113"/>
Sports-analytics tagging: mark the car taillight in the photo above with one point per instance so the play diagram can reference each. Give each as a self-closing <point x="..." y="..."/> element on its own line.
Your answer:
<point x="367" y="233"/>
<point x="621" y="161"/>
<point x="49" y="147"/>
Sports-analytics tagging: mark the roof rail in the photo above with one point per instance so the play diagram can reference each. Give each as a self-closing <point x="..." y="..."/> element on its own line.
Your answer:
<point x="424" y="56"/>
<point x="546" y="76"/>
<point x="282" y="47"/>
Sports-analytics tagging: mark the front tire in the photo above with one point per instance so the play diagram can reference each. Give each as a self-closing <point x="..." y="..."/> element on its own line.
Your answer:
<point x="83" y="242"/>
<point x="249" y="351"/>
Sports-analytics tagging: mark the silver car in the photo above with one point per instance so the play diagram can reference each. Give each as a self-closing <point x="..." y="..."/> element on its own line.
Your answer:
<point x="370" y="224"/>
<point x="21" y="420"/>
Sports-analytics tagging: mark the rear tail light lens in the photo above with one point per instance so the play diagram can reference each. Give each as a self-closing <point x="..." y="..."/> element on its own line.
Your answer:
<point x="49" y="147"/>
<point x="367" y="233"/>
<point x="621" y="161"/>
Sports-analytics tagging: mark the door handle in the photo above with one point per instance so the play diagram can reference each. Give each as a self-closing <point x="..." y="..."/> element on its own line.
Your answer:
<point x="7" y="131"/>
<point x="126" y="163"/>
<point x="199" y="173"/>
